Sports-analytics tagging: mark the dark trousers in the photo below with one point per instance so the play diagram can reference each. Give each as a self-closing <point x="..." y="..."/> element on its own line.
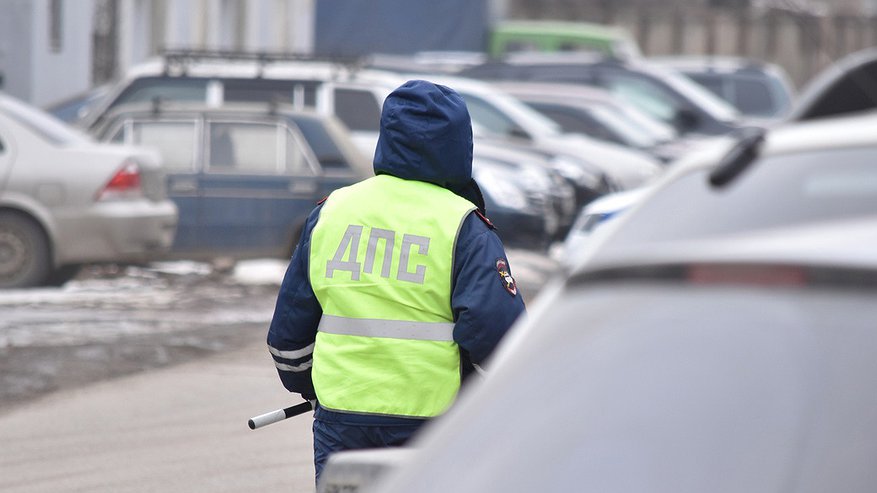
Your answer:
<point x="333" y="436"/>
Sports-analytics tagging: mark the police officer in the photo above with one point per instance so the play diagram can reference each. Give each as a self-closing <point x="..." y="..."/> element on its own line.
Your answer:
<point x="398" y="285"/>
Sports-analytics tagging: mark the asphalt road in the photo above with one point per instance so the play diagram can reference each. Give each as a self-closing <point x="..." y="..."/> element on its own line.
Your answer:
<point x="143" y="380"/>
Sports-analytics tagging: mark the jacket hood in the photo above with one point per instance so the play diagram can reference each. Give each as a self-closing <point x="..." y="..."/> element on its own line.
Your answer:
<point x="426" y="135"/>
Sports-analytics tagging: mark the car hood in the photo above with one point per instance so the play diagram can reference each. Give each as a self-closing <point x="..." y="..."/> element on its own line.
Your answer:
<point x="425" y="135"/>
<point x="626" y="167"/>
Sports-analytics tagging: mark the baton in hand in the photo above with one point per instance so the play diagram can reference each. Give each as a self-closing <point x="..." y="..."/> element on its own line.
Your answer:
<point x="279" y="415"/>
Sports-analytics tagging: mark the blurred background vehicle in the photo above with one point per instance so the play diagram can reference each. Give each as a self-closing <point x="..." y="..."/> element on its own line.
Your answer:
<point x="66" y="200"/>
<point x="846" y="86"/>
<point x="595" y="112"/>
<point x="555" y="36"/>
<point x="244" y="176"/>
<point x="76" y="107"/>
<point x="662" y="93"/>
<point x="590" y="218"/>
<point x="760" y="91"/>
<point x="355" y="96"/>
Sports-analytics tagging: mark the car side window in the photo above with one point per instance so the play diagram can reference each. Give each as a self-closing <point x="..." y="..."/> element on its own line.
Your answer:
<point x="753" y="97"/>
<point x="245" y="148"/>
<point x="176" y="141"/>
<point x="572" y="121"/>
<point x="485" y="115"/>
<point x="297" y="160"/>
<point x="643" y="94"/>
<point x="359" y="110"/>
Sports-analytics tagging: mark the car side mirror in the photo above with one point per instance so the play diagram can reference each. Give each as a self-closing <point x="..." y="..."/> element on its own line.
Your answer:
<point x="519" y="133"/>
<point x="685" y="119"/>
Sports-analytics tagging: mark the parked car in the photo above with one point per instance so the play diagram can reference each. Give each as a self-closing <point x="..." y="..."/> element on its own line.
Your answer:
<point x="244" y="177"/>
<point x="535" y="184"/>
<point x="759" y="90"/>
<point x="662" y="93"/>
<point x="66" y="200"/>
<point x="590" y="218"/>
<point x="596" y="113"/>
<point x="737" y="368"/>
<point x="846" y="86"/>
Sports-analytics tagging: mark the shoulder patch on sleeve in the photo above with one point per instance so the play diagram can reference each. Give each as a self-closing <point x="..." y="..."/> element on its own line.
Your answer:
<point x="484" y="218"/>
<point x="505" y="277"/>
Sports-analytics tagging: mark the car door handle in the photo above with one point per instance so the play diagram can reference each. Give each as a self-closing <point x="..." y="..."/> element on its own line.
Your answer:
<point x="184" y="186"/>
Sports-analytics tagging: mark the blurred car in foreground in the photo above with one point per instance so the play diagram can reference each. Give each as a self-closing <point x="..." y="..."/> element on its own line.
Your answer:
<point x="797" y="174"/>
<point x="244" y="177"/>
<point x="725" y="368"/>
<point x="846" y="86"/>
<point x="760" y="91"/>
<point x="66" y="200"/>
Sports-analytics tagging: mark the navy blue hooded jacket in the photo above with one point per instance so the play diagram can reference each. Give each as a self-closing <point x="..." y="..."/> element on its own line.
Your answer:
<point x="425" y="135"/>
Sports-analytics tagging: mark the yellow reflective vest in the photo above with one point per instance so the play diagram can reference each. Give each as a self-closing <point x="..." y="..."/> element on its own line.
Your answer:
<point x="381" y="265"/>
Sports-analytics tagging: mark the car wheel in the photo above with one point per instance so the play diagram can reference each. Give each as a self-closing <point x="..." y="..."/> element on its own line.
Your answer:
<point x="24" y="252"/>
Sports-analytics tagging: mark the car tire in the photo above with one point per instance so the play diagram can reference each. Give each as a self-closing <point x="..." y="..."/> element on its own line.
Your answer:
<point x="24" y="252"/>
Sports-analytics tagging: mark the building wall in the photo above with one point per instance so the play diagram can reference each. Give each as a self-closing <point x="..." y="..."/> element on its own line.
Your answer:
<point x="63" y="69"/>
<point x="16" y="48"/>
<point x="36" y="65"/>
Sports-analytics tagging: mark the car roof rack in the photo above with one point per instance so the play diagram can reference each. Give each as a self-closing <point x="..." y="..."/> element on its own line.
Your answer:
<point x="180" y="59"/>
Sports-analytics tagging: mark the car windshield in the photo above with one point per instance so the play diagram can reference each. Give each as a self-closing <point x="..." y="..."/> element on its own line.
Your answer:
<point x="42" y="123"/>
<point x="632" y="134"/>
<point x="712" y="104"/>
<point x="503" y="112"/>
<point x="779" y="190"/>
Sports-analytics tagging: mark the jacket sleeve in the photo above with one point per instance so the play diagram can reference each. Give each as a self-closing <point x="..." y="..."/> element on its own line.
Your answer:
<point x="297" y="313"/>
<point x="485" y="305"/>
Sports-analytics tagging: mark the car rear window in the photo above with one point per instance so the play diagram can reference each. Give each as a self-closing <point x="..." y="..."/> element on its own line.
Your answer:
<point x="327" y="151"/>
<point x="779" y="190"/>
<point x="754" y="97"/>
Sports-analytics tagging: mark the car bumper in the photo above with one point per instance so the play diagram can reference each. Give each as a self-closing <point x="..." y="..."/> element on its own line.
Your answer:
<point x="116" y="232"/>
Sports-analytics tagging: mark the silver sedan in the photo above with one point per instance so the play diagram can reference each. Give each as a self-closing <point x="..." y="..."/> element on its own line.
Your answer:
<point x="66" y="200"/>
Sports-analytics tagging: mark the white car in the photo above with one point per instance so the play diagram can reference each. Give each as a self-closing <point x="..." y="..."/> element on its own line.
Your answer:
<point x="66" y="200"/>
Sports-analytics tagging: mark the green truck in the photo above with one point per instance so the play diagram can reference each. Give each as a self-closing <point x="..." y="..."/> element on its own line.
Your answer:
<point x="558" y="36"/>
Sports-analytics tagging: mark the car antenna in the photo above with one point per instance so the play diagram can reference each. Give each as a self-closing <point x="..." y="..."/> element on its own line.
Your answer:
<point x="738" y="159"/>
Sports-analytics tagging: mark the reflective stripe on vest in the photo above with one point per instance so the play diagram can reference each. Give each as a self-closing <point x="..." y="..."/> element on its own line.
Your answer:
<point x="394" y="329"/>
<point x="381" y="266"/>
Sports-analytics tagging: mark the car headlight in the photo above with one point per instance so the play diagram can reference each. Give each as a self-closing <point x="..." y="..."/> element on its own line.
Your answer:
<point x="501" y="190"/>
<point x="576" y="172"/>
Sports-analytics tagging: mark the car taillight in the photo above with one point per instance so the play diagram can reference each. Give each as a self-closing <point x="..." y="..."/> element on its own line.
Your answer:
<point x="124" y="184"/>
